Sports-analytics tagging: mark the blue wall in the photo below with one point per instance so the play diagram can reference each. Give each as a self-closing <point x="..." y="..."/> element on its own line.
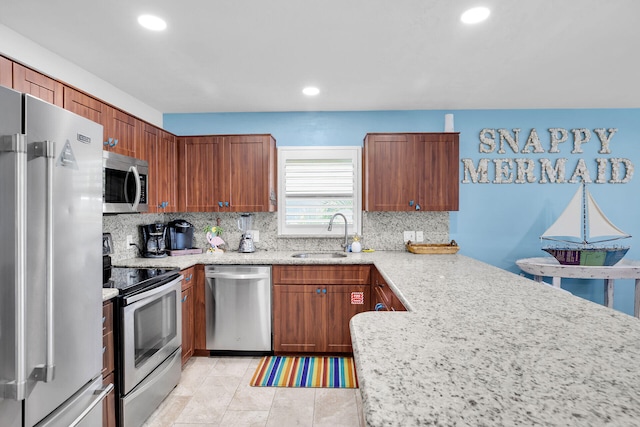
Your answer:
<point x="497" y="223"/>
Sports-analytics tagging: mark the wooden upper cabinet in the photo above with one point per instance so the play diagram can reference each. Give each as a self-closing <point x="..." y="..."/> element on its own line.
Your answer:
<point x="29" y="81"/>
<point x="200" y="170"/>
<point x="120" y="132"/>
<point x="227" y="173"/>
<point x="167" y="172"/>
<point x="84" y="105"/>
<point x="407" y="172"/>
<point x="439" y="167"/>
<point x="160" y="150"/>
<point x="250" y="172"/>
<point x="6" y="72"/>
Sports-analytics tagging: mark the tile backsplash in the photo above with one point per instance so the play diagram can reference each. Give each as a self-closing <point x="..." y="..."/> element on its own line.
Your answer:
<point x="380" y="230"/>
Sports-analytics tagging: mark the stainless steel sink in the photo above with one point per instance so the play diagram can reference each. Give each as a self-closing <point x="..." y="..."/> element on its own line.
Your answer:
<point x="319" y="255"/>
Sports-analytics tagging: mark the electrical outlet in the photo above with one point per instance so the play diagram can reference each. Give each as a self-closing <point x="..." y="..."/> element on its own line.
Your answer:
<point x="409" y="235"/>
<point x="256" y="235"/>
<point x="129" y="240"/>
<point x="419" y="236"/>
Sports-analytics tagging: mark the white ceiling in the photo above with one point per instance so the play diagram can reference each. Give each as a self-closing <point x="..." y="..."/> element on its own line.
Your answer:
<point x="257" y="55"/>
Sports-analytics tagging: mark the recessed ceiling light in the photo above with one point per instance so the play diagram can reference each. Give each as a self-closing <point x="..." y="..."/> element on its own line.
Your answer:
<point x="311" y="91"/>
<point x="151" y="22"/>
<point x="475" y="15"/>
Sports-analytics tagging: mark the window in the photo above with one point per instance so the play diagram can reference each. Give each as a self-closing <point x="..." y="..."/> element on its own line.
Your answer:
<point x="314" y="184"/>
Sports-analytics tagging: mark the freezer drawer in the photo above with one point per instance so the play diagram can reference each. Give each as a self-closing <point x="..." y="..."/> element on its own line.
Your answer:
<point x="84" y="409"/>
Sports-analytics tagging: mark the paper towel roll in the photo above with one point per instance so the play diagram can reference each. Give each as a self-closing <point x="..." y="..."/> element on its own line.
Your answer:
<point x="448" y="123"/>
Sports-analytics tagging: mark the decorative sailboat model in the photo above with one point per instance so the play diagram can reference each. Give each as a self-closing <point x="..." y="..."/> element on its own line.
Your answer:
<point x="582" y="232"/>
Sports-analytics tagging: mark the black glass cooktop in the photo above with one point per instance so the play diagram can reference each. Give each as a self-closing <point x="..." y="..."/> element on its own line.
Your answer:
<point x="133" y="280"/>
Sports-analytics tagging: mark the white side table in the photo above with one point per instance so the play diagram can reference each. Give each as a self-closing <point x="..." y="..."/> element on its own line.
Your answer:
<point x="550" y="267"/>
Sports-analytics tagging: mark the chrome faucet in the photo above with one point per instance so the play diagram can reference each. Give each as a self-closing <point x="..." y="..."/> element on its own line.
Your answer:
<point x="345" y="245"/>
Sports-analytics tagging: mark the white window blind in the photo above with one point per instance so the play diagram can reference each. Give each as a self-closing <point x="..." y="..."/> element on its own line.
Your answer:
<point x="316" y="183"/>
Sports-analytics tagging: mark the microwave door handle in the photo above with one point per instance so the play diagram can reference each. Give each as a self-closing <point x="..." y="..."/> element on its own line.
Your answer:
<point x="46" y="372"/>
<point x="16" y="388"/>
<point x="136" y="175"/>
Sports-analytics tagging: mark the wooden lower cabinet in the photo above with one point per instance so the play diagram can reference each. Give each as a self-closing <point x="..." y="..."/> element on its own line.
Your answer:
<point x="312" y="306"/>
<point x="187" y="314"/>
<point x="199" y="311"/>
<point x="108" y="365"/>
<point x="382" y="297"/>
<point x="299" y="314"/>
<point x="109" y="404"/>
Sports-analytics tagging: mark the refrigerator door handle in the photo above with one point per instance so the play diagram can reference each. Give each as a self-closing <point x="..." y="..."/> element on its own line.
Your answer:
<point x="46" y="372"/>
<point x="16" y="388"/>
<point x="100" y="395"/>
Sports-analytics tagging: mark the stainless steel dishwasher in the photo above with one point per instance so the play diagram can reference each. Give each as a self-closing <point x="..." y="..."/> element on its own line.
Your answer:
<point x="238" y="308"/>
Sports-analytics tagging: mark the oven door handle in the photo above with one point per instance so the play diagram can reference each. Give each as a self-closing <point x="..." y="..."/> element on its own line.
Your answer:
<point x="152" y="292"/>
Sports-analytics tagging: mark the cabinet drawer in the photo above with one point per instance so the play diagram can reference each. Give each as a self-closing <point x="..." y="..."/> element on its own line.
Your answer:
<point x="108" y="359"/>
<point x="321" y="274"/>
<point x="107" y="318"/>
<point x="188" y="279"/>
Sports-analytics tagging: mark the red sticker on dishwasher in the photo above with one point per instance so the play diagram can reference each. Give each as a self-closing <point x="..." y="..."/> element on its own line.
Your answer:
<point x="357" y="297"/>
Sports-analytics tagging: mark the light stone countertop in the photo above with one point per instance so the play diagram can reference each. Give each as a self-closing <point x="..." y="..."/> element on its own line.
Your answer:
<point x="480" y="347"/>
<point x="109" y="293"/>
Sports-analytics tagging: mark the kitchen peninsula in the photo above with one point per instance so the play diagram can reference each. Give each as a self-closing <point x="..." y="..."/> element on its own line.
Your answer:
<point x="479" y="346"/>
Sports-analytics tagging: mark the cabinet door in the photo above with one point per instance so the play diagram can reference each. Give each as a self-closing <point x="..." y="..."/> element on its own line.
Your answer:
<point x="299" y="313"/>
<point x="250" y="173"/>
<point x="6" y="72"/>
<point x="390" y="181"/>
<point x="120" y="132"/>
<point x="439" y="170"/>
<point x="109" y="404"/>
<point x="344" y="302"/>
<point x="43" y="87"/>
<point x="187" y="324"/>
<point x="147" y="149"/>
<point x="199" y="310"/>
<point x="200" y="169"/>
<point x="84" y="105"/>
<point x="167" y="172"/>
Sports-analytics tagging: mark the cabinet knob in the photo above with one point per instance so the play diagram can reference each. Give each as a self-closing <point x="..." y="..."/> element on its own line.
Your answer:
<point x="410" y="202"/>
<point x="379" y="306"/>
<point x="226" y="204"/>
<point x="188" y="278"/>
<point x="417" y="206"/>
<point x="324" y="291"/>
<point x="220" y="204"/>
<point x="184" y="298"/>
<point x="317" y="291"/>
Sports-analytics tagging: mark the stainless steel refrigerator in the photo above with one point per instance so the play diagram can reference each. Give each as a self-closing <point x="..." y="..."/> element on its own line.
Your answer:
<point x="50" y="265"/>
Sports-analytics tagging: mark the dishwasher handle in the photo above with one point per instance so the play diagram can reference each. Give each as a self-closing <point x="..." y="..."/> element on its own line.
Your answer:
<point x="236" y="276"/>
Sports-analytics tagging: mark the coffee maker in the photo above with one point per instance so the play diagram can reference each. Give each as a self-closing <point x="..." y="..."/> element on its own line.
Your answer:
<point x="245" y="224"/>
<point x="179" y="235"/>
<point x="154" y="238"/>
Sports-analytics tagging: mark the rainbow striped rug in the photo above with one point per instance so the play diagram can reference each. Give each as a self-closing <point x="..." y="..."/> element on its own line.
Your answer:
<point x="298" y="371"/>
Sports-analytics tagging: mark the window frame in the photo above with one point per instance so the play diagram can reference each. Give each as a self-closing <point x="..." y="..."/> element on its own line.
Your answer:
<point x="320" y="152"/>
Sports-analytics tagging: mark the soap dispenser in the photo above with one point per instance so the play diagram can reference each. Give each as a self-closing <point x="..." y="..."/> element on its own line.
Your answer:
<point x="356" y="246"/>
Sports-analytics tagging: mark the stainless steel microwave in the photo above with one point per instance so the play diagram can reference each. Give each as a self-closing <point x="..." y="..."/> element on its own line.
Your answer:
<point x="124" y="184"/>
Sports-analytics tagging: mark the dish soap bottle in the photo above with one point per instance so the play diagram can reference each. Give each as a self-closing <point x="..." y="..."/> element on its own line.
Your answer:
<point x="356" y="246"/>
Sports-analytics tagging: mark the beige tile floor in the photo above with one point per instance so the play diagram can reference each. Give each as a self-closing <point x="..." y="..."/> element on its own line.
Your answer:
<point x="215" y="391"/>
